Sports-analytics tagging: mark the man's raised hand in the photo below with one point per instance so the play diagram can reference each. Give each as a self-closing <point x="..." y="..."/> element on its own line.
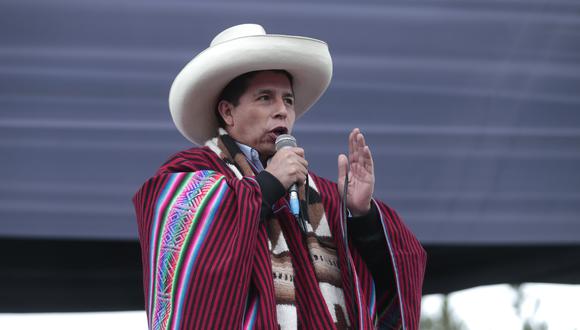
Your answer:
<point x="361" y="174"/>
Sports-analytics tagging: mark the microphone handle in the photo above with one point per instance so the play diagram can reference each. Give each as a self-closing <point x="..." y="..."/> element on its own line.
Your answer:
<point x="288" y="141"/>
<point x="294" y="201"/>
<point x="293" y="188"/>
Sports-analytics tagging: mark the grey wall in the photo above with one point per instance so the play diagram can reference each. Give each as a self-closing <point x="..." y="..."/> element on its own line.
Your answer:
<point x="472" y="108"/>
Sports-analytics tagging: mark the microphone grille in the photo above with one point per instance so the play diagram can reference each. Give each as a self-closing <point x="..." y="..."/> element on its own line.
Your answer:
<point x="285" y="140"/>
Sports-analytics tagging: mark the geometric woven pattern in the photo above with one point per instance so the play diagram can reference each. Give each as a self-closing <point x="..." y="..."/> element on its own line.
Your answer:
<point x="186" y="212"/>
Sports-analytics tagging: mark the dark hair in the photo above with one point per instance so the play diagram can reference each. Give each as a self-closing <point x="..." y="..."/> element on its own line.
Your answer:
<point x="238" y="86"/>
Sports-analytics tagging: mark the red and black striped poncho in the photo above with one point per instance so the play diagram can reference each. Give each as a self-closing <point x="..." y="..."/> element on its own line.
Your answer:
<point x="206" y="261"/>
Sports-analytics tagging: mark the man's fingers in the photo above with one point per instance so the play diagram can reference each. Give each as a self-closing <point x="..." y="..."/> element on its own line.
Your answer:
<point x="365" y="157"/>
<point x="368" y="158"/>
<point x="299" y="151"/>
<point x="342" y="167"/>
<point x="351" y="143"/>
<point x="355" y="146"/>
<point x="292" y="150"/>
<point x="294" y="153"/>
<point x="360" y="146"/>
<point x="361" y="140"/>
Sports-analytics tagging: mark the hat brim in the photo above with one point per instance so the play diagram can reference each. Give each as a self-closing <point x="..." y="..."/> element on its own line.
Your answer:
<point x="195" y="90"/>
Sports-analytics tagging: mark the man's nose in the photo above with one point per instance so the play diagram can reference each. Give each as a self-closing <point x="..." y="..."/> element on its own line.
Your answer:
<point x="281" y="110"/>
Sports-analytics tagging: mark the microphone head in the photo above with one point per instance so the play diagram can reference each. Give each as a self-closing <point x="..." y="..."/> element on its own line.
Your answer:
<point x="285" y="140"/>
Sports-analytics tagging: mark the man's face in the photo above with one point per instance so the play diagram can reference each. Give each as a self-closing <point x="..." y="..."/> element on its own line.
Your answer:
<point x="265" y="110"/>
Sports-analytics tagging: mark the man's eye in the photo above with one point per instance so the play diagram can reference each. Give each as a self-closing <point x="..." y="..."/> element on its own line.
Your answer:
<point x="289" y="101"/>
<point x="264" y="97"/>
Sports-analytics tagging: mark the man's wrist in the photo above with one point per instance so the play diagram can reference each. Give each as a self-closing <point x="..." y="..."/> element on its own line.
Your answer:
<point x="365" y="225"/>
<point x="360" y="213"/>
<point x="370" y="213"/>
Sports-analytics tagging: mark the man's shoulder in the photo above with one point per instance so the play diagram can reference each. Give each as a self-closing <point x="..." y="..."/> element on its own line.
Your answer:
<point x="192" y="153"/>
<point x="188" y="160"/>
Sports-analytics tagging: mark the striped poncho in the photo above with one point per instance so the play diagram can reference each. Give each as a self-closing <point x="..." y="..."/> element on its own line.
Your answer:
<point x="207" y="263"/>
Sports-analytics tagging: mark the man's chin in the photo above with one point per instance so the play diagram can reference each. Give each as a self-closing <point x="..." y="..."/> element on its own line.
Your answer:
<point x="267" y="150"/>
<point x="269" y="153"/>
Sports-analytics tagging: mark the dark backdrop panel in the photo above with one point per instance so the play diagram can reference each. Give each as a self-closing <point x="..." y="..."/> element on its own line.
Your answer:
<point x="65" y="275"/>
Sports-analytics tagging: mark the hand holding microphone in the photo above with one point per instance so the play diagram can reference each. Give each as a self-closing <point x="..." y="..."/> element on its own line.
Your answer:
<point x="289" y="167"/>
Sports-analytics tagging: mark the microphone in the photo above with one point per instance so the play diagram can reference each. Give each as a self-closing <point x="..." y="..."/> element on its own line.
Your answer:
<point x="287" y="141"/>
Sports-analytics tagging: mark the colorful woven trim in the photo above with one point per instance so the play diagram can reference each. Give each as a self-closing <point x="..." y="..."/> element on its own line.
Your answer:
<point x="184" y="212"/>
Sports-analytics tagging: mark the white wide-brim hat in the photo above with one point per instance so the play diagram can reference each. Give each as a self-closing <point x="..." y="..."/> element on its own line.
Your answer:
<point x="235" y="51"/>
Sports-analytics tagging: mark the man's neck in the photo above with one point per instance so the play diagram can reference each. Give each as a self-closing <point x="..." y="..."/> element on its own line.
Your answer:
<point x="251" y="154"/>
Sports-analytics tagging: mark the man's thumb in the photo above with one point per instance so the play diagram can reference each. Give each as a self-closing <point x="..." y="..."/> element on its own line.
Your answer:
<point x="342" y="167"/>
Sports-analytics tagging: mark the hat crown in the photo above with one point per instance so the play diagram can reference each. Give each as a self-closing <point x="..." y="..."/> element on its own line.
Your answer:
<point x="238" y="31"/>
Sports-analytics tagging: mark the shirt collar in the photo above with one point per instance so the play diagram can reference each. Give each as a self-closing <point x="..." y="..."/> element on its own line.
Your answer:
<point x="252" y="155"/>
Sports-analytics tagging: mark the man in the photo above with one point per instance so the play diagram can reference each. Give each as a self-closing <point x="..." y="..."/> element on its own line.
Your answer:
<point x="221" y="248"/>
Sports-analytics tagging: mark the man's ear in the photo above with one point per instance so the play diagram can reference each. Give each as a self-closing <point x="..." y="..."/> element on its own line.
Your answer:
<point x="225" y="110"/>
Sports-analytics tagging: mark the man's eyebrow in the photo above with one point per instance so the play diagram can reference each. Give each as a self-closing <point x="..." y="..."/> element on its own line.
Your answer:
<point x="263" y="91"/>
<point x="270" y="92"/>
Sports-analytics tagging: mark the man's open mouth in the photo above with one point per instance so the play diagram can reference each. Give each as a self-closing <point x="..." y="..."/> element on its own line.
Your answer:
<point x="279" y="130"/>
